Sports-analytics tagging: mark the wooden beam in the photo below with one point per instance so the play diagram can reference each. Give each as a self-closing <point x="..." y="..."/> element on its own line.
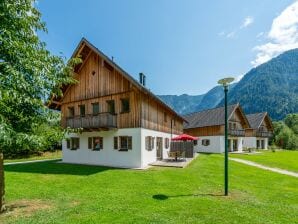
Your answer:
<point x="84" y="62"/>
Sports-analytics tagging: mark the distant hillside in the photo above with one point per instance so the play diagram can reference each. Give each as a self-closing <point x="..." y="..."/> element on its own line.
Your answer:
<point x="271" y="87"/>
<point x="182" y="104"/>
<point x="185" y="104"/>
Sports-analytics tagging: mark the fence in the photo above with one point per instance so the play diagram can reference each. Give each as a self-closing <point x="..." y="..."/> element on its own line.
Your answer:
<point x="186" y="146"/>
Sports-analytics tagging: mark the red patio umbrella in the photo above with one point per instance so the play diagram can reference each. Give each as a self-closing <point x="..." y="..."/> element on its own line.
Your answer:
<point x="184" y="137"/>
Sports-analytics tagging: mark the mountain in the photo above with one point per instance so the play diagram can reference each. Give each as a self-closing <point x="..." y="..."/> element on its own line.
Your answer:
<point x="271" y="87"/>
<point x="182" y="104"/>
<point x="185" y="104"/>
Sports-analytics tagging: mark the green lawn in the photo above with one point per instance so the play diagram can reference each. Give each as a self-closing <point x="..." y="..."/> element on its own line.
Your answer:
<point x="46" y="155"/>
<point x="86" y="194"/>
<point x="283" y="159"/>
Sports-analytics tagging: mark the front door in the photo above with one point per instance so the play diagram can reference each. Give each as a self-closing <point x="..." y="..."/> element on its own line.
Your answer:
<point x="159" y="148"/>
<point x="235" y="145"/>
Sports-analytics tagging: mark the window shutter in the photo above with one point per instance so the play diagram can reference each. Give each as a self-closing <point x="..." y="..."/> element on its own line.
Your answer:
<point x="68" y="143"/>
<point x="101" y="142"/>
<point x="129" y="142"/>
<point x="147" y="142"/>
<point x="152" y="142"/>
<point x="116" y="143"/>
<point x="90" y="143"/>
<point x="78" y="143"/>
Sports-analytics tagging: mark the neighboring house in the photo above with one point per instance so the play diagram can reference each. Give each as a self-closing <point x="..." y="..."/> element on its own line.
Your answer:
<point x="261" y="129"/>
<point x="122" y="123"/>
<point x="209" y="125"/>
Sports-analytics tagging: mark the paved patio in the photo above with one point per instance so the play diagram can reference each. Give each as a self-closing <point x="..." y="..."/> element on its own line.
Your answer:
<point x="173" y="163"/>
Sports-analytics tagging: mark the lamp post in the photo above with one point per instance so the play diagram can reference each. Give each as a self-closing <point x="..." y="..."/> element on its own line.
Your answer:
<point x="225" y="83"/>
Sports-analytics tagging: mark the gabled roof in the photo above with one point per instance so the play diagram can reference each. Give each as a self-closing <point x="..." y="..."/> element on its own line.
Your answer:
<point x="211" y="117"/>
<point x="85" y="42"/>
<point x="255" y="120"/>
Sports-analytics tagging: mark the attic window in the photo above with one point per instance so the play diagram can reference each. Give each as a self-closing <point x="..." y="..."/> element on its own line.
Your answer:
<point x="107" y="65"/>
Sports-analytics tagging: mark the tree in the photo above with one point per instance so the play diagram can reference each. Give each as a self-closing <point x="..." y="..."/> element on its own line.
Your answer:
<point x="29" y="73"/>
<point x="285" y="132"/>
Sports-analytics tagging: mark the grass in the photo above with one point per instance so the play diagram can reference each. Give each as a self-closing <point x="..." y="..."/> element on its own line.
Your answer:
<point x="46" y="155"/>
<point x="89" y="194"/>
<point x="283" y="159"/>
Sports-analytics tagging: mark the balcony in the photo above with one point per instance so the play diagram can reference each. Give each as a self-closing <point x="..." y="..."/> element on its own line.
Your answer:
<point x="264" y="134"/>
<point x="236" y="132"/>
<point x="90" y="121"/>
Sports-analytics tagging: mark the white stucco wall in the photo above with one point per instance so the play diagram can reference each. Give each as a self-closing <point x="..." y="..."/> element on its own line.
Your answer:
<point x="217" y="144"/>
<point x="251" y="142"/>
<point x="150" y="156"/>
<point x="138" y="157"/>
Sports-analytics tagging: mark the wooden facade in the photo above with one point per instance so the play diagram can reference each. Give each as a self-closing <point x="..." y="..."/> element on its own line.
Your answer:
<point x="102" y="82"/>
<point x="237" y="124"/>
<point x="264" y="129"/>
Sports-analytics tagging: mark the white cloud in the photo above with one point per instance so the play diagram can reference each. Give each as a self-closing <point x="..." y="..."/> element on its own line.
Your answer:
<point x="247" y="22"/>
<point x="282" y="36"/>
<point x="238" y="78"/>
<point x="222" y="33"/>
<point x="231" y="35"/>
<point x="259" y="35"/>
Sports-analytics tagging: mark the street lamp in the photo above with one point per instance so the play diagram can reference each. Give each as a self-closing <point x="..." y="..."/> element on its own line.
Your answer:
<point x="225" y="82"/>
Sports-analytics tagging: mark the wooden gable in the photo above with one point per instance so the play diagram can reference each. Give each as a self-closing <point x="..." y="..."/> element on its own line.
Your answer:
<point x="238" y="116"/>
<point x="266" y="124"/>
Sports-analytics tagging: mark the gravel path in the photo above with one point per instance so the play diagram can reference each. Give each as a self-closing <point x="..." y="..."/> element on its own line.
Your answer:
<point x="276" y="170"/>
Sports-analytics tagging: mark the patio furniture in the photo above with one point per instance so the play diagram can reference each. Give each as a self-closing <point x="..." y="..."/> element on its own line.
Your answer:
<point x="182" y="155"/>
<point x="172" y="155"/>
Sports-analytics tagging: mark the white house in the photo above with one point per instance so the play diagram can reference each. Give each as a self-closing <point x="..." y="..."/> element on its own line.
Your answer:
<point x="208" y="125"/>
<point x="113" y="119"/>
<point x="260" y="131"/>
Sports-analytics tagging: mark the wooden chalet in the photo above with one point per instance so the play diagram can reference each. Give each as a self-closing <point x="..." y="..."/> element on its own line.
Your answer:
<point x="208" y="125"/>
<point x="107" y="102"/>
<point x="261" y="129"/>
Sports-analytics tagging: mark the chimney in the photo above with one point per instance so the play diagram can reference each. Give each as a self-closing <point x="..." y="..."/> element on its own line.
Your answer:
<point x="142" y="78"/>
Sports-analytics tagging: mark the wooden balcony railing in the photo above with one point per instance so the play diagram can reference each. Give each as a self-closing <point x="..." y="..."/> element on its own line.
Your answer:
<point x="264" y="134"/>
<point x="236" y="132"/>
<point x="90" y="121"/>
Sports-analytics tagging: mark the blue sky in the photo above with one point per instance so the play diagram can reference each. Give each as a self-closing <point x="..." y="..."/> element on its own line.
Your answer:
<point x="181" y="46"/>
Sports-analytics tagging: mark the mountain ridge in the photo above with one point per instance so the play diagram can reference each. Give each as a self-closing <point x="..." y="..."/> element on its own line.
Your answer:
<point x="271" y="87"/>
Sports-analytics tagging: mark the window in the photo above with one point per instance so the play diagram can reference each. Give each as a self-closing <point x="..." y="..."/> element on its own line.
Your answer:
<point x="123" y="143"/>
<point x="174" y="122"/>
<point x="234" y="126"/>
<point x="205" y="142"/>
<point x="167" y="143"/>
<point x="95" y="108"/>
<point x="149" y="143"/>
<point x="70" y="111"/>
<point x="125" y="106"/>
<point x="230" y="126"/>
<point x="165" y="117"/>
<point x="195" y="142"/>
<point x="73" y="143"/>
<point x="95" y="143"/>
<point x="82" y="110"/>
<point x="111" y="106"/>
